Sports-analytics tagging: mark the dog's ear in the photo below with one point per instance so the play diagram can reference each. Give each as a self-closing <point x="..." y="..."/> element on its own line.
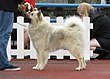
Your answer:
<point x="39" y="13"/>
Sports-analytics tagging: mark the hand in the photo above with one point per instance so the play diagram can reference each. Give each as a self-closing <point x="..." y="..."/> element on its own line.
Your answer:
<point x="22" y="8"/>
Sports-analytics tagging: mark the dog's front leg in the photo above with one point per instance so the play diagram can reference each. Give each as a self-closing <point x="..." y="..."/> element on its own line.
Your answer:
<point x="38" y="61"/>
<point x="42" y="60"/>
<point x="45" y="57"/>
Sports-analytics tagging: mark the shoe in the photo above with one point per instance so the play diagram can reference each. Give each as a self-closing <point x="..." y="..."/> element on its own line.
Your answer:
<point x="11" y="68"/>
<point x="103" y="54"/>
<point x="103" y="57"/>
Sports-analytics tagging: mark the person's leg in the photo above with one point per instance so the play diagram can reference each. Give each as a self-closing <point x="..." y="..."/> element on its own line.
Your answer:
<point x="26" y="40"/>
<point x="6" y="23"/>
<point x="103" y="53"/>
<point x="94" y="44"/>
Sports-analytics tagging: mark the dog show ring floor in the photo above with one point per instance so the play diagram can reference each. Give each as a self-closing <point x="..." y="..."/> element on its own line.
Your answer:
<point x="58" y="69"/>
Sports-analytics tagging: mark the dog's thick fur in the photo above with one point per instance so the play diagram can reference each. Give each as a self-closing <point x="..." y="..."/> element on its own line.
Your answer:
<point x="46" y="38"/>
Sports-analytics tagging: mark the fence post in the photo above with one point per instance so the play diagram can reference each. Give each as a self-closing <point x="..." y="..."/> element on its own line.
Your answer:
<point x="86" y="51"/>
<point x="20" y="38"/>
<point x="60" y="21"/>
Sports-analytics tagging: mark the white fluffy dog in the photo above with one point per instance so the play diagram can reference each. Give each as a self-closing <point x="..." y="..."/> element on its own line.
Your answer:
<point x="46" y="38"/>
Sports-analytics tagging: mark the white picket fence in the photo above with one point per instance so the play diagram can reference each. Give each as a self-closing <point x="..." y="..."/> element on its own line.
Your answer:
<point x="20" y="52"/>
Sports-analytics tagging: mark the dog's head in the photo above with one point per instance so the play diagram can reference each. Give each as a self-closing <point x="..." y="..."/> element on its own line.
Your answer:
<point x="36" y="16"/>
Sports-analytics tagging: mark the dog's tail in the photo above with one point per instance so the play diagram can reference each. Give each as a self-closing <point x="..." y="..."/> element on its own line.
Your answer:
<point x="73" y="21"/>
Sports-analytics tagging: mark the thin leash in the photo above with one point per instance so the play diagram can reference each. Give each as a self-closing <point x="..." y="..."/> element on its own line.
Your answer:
<point x="25" y="15"/>
<point x="22" y="24"/>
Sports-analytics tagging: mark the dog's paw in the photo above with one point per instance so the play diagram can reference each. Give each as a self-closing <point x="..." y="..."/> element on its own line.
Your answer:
<point x="79" y="69"/>
<point x="35" y="67"/>
<point x="38" y="67"/>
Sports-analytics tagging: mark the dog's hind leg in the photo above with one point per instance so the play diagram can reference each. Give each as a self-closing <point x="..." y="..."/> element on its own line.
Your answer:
<point x="83" y="63"/>
<point x="80" y="59"/>
<point x="80" y="67"/>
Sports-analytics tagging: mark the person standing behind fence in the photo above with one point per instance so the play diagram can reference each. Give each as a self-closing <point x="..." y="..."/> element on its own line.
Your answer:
<point x="7" y="9"/>
<point x="100" y="34"/>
